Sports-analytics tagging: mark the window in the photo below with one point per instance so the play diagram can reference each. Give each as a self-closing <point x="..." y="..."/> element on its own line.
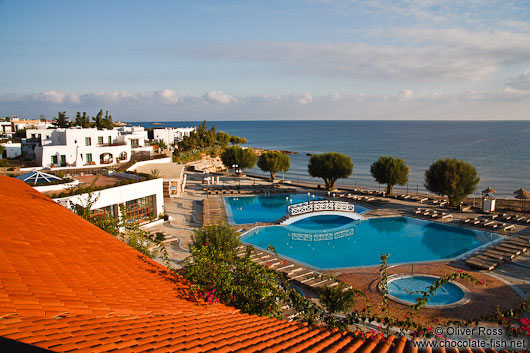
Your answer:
<point x="141" y="208"/>
<point x="110" y="140"/>
<point x="63" y="160"/>
<point x="100" y="140"/>
<point x="134" y="143"/>
<point x="104" y="211"/>
<point x="54" y="160"/>
<point x="89" y="157"/>
<point x="88" y="141"/>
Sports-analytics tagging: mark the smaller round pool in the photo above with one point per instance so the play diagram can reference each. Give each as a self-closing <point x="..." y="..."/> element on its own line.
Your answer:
<point x="451" y="294"/>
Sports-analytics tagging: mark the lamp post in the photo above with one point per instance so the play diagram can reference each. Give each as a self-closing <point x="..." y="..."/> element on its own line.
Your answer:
<point x="329" y="195"/>
<point x="234" y="166"/>
<point x="287" y="203"/>
<point x="308" y="197"/>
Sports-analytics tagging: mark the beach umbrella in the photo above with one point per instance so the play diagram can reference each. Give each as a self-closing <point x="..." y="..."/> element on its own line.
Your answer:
<point x="489" y="190"/>
<point x="522" y="195"/>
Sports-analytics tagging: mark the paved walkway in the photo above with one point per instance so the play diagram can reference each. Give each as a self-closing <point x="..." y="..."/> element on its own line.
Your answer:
<point x="484" y="299"/>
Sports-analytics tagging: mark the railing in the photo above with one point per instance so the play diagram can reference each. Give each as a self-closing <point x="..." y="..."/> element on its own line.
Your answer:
<point x="321" y="235"/>
<point x="316" y="206"/>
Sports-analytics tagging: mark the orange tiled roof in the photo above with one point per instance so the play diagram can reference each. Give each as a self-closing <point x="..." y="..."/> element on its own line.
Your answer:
<point x="67" y="285"/>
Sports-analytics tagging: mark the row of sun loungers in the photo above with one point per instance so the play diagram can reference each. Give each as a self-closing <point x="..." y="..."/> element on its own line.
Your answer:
<point x="514" y="218"/>
<point x="301" y="274"/>
<point x="420" y="199"/>
<point x="503" y="252"/>
<point x="248" y="190"/>
<point x="360" y="198"/>
<point x="432" y="213"/>
<point x="489" y="223"/>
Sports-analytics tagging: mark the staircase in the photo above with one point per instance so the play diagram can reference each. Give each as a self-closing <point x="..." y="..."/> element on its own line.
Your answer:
<point x="282" y="219"/>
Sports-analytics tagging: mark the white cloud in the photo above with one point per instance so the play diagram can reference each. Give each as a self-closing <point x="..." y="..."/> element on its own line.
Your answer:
<point x="166" y="96"/>
<point x="219" y="97"/>
<point x="512" y="102"/>
<point x="415" y="53"/>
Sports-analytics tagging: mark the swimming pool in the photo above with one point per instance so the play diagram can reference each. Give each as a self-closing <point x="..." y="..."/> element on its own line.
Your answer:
<point x="252" y="209"/>
<point x="331" y="242"/>
<point x="402" y="289"/>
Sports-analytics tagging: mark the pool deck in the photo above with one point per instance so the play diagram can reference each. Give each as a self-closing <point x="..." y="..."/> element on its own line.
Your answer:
<point x="501" y="289"/>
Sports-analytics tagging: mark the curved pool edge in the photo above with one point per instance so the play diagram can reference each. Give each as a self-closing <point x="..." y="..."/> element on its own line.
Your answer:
<point x="465" y="299"/>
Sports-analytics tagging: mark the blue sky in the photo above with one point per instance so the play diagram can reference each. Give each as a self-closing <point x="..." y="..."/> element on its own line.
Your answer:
<point x="190" y="60"/>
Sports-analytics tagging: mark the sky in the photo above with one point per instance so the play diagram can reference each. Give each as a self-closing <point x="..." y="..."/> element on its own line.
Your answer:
<point x="247" y="60"/>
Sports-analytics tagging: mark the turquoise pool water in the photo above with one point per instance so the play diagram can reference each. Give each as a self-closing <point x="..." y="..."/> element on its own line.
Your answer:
<point x="252" y="209"/>
<point x="450" y="293"/>
<point x="327" y="242"/>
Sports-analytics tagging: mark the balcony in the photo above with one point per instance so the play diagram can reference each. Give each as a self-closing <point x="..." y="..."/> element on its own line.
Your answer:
<point x="111" y="144"/>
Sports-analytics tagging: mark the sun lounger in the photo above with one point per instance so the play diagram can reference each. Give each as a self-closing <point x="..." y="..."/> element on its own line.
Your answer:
<point x="509" y="227"/>
<point x="483" y="265"/>
<point x="446" y="215"/>
<point x="507" y="249"/>
<point x="522" y="238"/>
<point x="518" y="242"/>
<point x="515" y="246"/>
<point x="490" y="258"/>
<point x="301" y="274"/>
<point x="500" y="254"/>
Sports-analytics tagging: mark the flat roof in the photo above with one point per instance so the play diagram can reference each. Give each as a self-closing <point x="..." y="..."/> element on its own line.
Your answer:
<point x="167" y="170"/>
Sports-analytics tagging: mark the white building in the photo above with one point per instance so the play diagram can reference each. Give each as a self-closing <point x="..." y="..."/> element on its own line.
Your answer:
<point x="172" y="136"/>
<point x="20" y="124"/>
<point x="12" y="149"/>
<point x="76" y="147"/>
<point x="142" y="200"/>
<point x="6" y="129"/>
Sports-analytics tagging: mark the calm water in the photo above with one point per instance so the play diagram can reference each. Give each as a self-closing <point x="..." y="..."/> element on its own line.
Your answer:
<point x="251" y="209"/>
<point x="446" y="294"/>
<point x="327" y="242"/>
<point x="499" y="150"/>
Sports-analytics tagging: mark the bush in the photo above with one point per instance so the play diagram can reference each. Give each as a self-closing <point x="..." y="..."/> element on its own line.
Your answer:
<point x="218" y="274"/>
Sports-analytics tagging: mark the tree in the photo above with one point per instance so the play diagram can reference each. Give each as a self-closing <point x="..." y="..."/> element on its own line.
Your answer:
<point x="82" y="120"/>
<point x="274" y="162"/>
<point x="243" y="157"/>
<point x="330" y="166"/>
<point x="453" y="178"/>
<point x="62" y="120"/>
<point x="107" y="121"/>
<point x="390" y="171"/>
<point x="98" y="120"/>
<point x="236" y="140"/>
<point x="222" y="138"/>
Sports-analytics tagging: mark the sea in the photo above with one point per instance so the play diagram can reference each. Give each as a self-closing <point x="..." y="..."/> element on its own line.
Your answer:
<point x="499" y="150"/>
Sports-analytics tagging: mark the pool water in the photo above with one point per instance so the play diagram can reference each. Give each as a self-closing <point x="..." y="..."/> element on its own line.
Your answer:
<point x="252" y="209"/>
<point x="400" y="288"/>
<point x="330" y="242"/>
